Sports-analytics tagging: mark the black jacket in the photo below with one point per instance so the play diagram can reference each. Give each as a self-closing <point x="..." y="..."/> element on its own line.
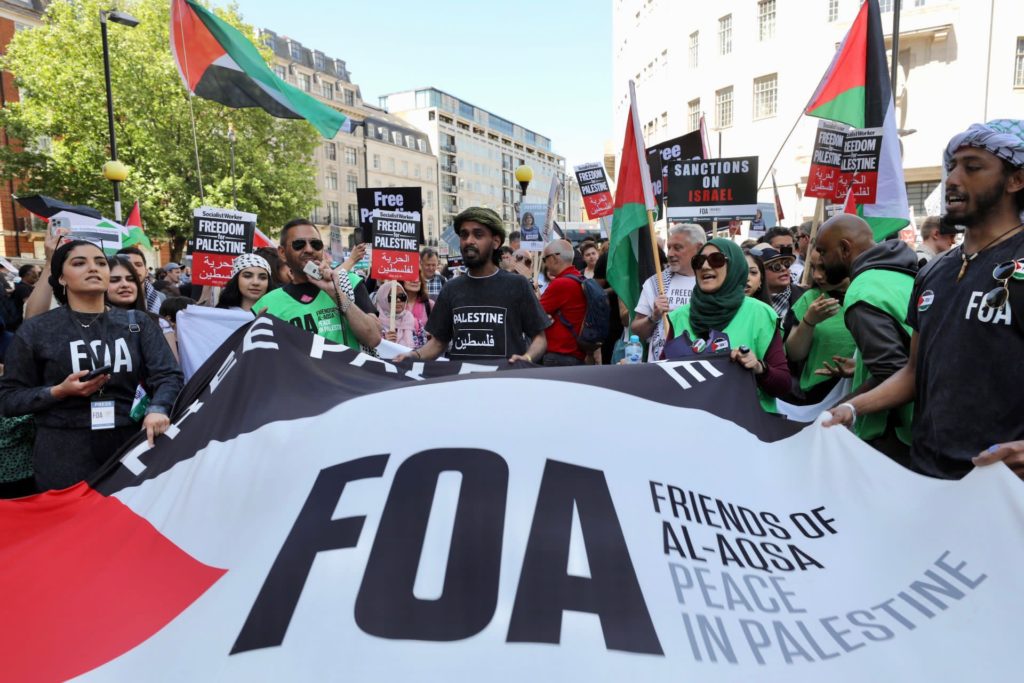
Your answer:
<point x="51" y="346"/>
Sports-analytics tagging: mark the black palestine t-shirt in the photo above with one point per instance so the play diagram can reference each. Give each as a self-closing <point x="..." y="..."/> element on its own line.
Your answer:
<point x="486" y="318"/>
<point x="969" y="371"/>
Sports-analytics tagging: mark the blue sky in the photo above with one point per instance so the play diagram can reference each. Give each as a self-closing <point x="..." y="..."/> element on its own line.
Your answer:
<point x="543" y="64"/>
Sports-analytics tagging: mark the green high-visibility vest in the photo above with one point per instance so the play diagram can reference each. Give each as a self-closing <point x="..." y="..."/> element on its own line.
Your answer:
<point x="887" y="291"/>
<point x="319" y="316"/>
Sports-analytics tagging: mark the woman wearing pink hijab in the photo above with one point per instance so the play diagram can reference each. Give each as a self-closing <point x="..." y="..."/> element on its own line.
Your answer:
<point x="405" y="323"/>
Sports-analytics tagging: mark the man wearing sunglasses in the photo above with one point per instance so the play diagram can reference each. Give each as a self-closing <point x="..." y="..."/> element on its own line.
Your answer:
<point x="316" y="305"/>
<point x="678" y="281"/>
<point x="967" y="313"/>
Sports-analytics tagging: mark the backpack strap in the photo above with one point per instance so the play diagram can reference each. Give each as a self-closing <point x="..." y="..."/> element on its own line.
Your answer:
<point x="133" y="321"/>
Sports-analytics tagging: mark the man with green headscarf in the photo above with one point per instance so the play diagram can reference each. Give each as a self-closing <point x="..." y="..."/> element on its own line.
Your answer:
<point x="720" y="319"/>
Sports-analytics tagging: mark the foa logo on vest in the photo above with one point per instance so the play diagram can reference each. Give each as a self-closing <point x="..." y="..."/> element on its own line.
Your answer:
<point x="977" y="310"/>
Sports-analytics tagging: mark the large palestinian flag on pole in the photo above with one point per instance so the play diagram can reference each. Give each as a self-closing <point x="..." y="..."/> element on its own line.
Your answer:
<point x="218" y="63"/>
<point x="284" y="529"/>
<point x="634" y="197"/>
<point x="856" y="90"/>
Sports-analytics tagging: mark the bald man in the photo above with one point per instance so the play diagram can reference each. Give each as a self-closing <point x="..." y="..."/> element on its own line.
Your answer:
<point x="875" y="312"/>
<point x="563" y="300"/>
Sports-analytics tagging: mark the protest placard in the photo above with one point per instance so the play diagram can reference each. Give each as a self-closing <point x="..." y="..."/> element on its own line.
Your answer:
<point x="391" y="219"/>
<point x="723" y="189"/>
<point x="220" y="235"/>
<point x="594" y="188"/>
<point x="862" y="151"/>
<point x="663" y="154"/>
<point x="826" y="160"/>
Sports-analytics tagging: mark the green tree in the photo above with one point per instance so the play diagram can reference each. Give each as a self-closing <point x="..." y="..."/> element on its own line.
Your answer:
<point x="62" y="120"/>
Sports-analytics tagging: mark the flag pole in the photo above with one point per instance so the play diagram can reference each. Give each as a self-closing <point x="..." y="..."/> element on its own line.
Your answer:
<point x="657" y="263"/>
<point x="394" y="304"/>
<point x="776" y="157"/>
<point x="895" y="45"/>
<point x="819" y="218"/>
<point x="191" y="112"/>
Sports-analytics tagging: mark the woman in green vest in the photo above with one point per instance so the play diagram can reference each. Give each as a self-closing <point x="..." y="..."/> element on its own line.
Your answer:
<point x="820" y="336"/>
<point x="721" y="319"/>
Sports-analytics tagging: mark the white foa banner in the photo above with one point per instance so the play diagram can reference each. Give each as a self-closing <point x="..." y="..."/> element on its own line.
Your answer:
<point x="403" y="531"/>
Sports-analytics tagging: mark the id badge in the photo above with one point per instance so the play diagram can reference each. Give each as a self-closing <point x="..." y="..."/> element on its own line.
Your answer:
<point x="102" y="414"/>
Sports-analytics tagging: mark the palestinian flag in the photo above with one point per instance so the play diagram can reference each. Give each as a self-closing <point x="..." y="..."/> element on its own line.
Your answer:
<point x="260" y="240"/>
<point x="136" y="236"/>
<point x="634" y="197"/>
<point x="218" y="63"/>
<point x="856" y="90"/>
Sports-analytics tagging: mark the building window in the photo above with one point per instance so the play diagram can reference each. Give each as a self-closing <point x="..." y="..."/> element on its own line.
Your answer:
<point x="295" y="50"/>
<point x="917" y="193"/>
<point x="396" y="137"/>
<point x="723" y="107"/>
<point x="725" y="35"/>
<point x="694" y="46"/>
<point x="430" y="173"/>
<point x="330" y="151"/>
<point x="421" y="145"/>
<point x="350" y="156"/>
<point x="693" y="114"/>
<point x="281" y="72"/>
<point x="766" y="19"/>
<point x="1018" y="72"/>
<point x="327" y="90"/>
<point x="416" y="171"/>
<point x="353" y="214"/>
<point x="333" y="214"/>
<point x="391" y="165"/>
<point x="318" y="61"/>
<point x="331" y="181"/>
<point x="351" y="182"/>
<point x="405" y="168"/>
<point x="918" y="3"/>
<point x="376" y="162"/>
<point x="833" y="10"/>
<point x="885" y="5"/>
<point x="350" y="98"/>
<point x="766" y="96"/>
<point x="304" y="82"/>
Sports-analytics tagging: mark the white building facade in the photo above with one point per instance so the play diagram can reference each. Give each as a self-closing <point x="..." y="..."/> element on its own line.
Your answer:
<point x="750" y="66"/>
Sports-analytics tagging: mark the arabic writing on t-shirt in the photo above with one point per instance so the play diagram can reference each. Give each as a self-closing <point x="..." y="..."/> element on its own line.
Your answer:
<point x="479" y="331"/>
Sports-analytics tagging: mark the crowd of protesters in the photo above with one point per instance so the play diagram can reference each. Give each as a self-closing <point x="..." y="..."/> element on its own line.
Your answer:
<point x="882" y="336"/>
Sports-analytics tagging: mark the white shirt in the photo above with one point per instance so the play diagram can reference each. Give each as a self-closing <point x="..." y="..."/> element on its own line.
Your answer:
<point x="679" y="290"/>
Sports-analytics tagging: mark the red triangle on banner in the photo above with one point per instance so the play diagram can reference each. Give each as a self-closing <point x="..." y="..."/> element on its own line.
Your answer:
<point x="91" y="574"/>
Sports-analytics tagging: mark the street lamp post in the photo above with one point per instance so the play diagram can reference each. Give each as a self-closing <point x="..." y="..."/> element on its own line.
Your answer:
<point x="113" y="170"/>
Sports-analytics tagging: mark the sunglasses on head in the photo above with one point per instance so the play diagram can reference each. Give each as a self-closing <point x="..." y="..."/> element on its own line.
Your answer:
<point x="715" y="259"/>
<point x="299" y="245"/>
<point x="998" y="297"/>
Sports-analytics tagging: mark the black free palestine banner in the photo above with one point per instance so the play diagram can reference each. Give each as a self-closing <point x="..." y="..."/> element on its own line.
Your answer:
<point x="660" y="158"/>
<point x="723" y="189"/>
<point x="295" y="538"/>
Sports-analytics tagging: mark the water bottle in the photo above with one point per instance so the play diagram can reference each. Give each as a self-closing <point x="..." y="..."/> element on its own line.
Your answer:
<point x="634" y="351"/>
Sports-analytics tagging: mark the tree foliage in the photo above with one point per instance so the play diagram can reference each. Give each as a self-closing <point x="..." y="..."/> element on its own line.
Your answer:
<point x="63" y="122"/>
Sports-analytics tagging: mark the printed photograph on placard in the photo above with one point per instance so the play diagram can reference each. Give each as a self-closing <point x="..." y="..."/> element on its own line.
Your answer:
<point x="531" y="218"/>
